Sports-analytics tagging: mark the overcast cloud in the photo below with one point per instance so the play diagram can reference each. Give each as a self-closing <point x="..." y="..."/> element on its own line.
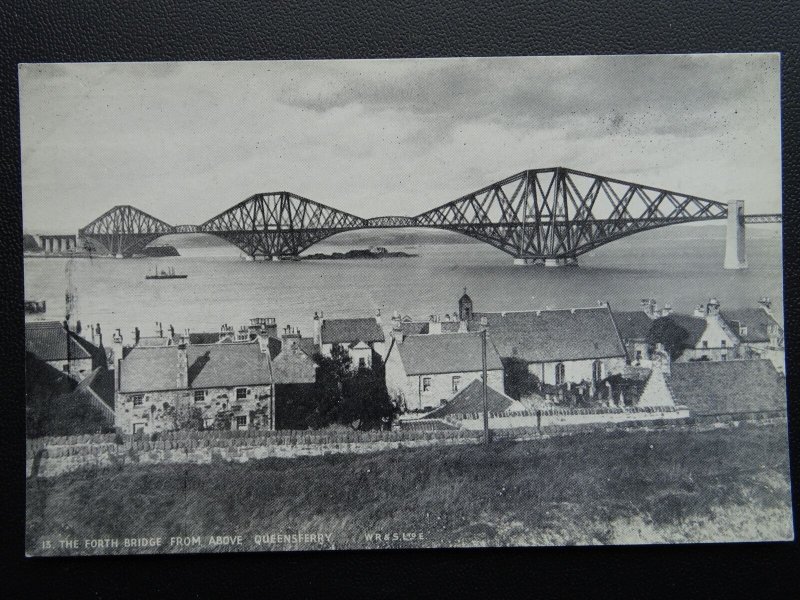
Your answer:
<point x="184" y="141"/>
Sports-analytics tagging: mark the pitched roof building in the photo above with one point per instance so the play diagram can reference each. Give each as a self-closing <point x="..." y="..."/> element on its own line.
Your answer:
<point x="422" y="371"/>
<point x="469" y="400"/>
<point x="350" y="331"/>
<point x="752" y="325"/>
<point x="737" y="386"/>
<point x="207" y="366"/>
<point x="543" y="336"/>
<point x="50" y="342"/>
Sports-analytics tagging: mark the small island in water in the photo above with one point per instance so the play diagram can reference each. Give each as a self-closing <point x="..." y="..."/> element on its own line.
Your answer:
<point x="371" y="253"/>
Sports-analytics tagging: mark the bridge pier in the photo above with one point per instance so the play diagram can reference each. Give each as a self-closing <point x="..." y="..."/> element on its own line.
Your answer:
<point x="735" y="255"/>
<point x="561" y="262"/>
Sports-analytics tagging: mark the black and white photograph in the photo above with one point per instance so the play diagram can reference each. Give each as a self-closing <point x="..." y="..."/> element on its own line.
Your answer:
<point x="317" y="305"/>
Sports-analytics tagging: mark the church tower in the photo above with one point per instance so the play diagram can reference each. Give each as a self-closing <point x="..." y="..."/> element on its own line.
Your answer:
<point x="465" y="307"/>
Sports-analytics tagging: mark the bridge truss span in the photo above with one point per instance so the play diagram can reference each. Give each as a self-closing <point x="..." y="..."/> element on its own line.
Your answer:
<point x="561" y="213"/>
<point x="279" y="224"/>
<point x="125" y="230"/>
<point x="548" y="215"/>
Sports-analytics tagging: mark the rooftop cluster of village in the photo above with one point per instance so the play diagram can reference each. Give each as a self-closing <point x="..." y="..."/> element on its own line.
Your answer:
<point x="714" y="360"/>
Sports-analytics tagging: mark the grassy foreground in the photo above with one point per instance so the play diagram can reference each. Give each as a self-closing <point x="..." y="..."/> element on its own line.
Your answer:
<point x="604" y="488"/>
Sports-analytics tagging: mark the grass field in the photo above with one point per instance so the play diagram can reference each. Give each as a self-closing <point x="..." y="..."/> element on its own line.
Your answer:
<point x="618" y="487"/>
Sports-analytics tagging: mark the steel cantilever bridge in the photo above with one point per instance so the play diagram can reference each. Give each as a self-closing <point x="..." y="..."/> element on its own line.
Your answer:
<point x="544" y="215"/>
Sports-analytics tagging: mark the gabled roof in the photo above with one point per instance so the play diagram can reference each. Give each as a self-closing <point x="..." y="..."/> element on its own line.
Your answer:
<point x="633" y="325"/>
<point x="446" y="353"/>
<point x="470" y="400"/>
<point x="555" y="335"/>
<point x="203" y="337"/>
<point x="414" y="327"/>
<point x="293" y="365"/>
<point x="712" y="387"/>
<point x="47" y="340"/>
<point x="308" y="346"/>
<point x="345" y="331"/>
<point x="210" y="365"/>
<point x="154" y="341"/>
<point x="757" y="321"/>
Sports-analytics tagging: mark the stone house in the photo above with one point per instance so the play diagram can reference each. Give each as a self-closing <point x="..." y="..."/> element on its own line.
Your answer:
<point x="363" y="338"/>
<point x="424" y="371"/>
<point x="186" y="386"/>
<point x="63" y="350"/>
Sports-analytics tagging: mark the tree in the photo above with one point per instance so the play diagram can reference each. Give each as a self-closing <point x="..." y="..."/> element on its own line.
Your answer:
<point x="365" y="400"/>
<point x="667" y="332"/>
<point x="357" y="398"/>
<point x="519" y="382"/>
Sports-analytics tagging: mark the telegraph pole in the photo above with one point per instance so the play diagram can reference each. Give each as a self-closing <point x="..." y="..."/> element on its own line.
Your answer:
<point x="485" y="396"/>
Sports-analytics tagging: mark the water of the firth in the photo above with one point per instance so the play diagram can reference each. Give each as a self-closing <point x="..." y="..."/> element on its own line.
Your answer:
<point x="678" y="265"/>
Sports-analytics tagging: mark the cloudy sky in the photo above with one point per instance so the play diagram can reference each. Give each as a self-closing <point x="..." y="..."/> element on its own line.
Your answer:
<point x="184" y="141"/>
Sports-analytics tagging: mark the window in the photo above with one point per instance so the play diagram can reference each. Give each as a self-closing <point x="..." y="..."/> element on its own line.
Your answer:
<point x="723" y="343"/>
<point x="362" y="363"/>
<point x="742" y="330"/>
<point x="426" y="384"/>
<point x="456" y="382"/>
<point x="138" y="399"/>
<point x="597" y="371"/>
<point x="138" y="427"/>
<point x="241" y="422"/>
<point x="65" y="368"/>
<point x="638" y="356"/>
<point x="199" y="395"/>
<point x="724" y="356"/>
<point x="241" y="393"/>
<point x="705" y="344"/>
<point x="560" y="373"/>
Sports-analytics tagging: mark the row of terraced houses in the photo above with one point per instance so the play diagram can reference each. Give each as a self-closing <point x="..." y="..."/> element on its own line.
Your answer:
<point x="237" y="377"/>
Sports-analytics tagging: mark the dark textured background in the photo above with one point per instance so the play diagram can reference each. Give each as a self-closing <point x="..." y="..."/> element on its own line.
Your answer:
<point x="114" y="30"/>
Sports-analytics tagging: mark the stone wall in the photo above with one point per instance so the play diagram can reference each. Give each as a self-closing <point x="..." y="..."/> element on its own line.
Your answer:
<point x="155" y="413"/>
<point x="576" y="416"/>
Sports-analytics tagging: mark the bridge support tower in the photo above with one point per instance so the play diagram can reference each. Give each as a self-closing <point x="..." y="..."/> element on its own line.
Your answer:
<point x="735" y="255"/>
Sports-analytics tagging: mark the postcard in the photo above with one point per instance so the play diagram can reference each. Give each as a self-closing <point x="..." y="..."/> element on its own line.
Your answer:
<point x="408" y="303"/>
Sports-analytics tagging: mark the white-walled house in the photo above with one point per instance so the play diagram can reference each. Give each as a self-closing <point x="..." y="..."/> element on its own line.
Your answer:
<point x="559" y="346"/>
<point x="361" y="337"/>
<point x="424" y="371"/>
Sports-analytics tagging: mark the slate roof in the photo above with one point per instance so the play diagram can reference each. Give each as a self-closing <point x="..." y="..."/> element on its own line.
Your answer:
<point x="694" y="326"/>
<point x="713" y="387"/>
<point x="555" y="335"/>
<point x="755" y="319"/>
<point x="470" y="400"/>
<point x="446" y="353"/>
<point x="47" y="340"/>
<point x="293" y="365"/>
<point x="203" y="337"/>
<point x="153" y="341"/>
<point x="633" y="325"/>
<point x="414" y="327"/>
<point x="308" y="346"/>
<point x="210" y="365"/>
<point x="345" y="331"/>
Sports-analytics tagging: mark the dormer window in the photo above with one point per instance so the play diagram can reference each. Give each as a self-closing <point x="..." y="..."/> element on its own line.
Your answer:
<point x="742" y="330"/>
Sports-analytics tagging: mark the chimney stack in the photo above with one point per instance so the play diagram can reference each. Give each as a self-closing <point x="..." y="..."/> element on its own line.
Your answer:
<point x="136" y="336"/>
<point x="318" y="319"/>
<point x="182" y="376"/>
<point x="667" y="310"/>
<point x="378" y="317"/>
<point x="712" y="308"/>
<point x="117" y="349"/>
<point x="699" y="311"/>
<point x="766" y="304"/>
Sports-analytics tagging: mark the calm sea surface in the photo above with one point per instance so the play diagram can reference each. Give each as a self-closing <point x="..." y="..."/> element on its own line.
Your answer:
<point x="681" y="267"/>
